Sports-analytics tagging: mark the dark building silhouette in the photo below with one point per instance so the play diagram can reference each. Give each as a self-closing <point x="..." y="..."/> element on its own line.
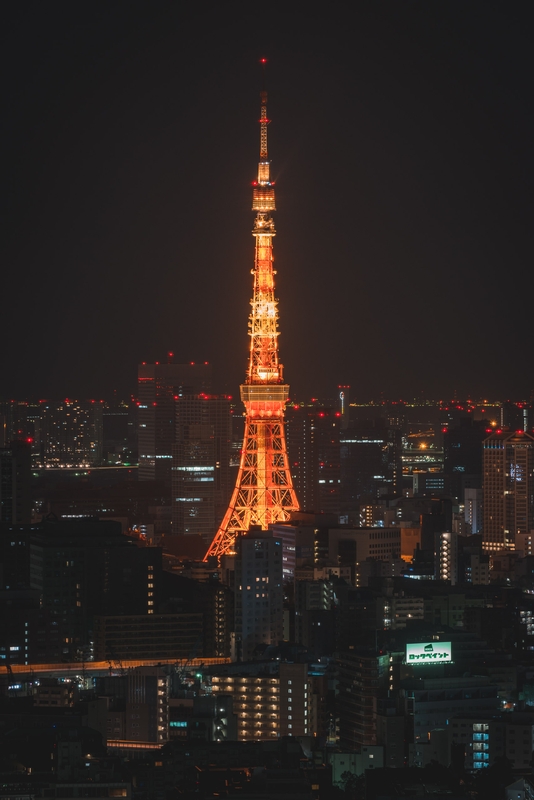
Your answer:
<point x="371" y="461"/>
<point x="152" y="637"/>
<point x="18" y="421"/>
<point x="363" y="679"/>
<point x="15" y="475"/>
<point x="259" y="612"/>
<point x="312" y="437"/>
<point x="77" y="569"/>
<point x="158" y="386"/>
<point x="462" y="455"/>
<point x="438" y="519"/>
<point x="139" y="705"/>
<point x="215" y="601"/>
<point x="201" y="479"/>
<point x="119" y="433"/>
<point x="516" y="416"/>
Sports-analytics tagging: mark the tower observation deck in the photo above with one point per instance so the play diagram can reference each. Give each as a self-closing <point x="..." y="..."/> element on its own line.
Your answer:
<point x="264" y="491"/>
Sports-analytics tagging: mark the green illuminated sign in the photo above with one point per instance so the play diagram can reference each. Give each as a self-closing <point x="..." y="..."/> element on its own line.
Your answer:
<point x="429" y="653"/>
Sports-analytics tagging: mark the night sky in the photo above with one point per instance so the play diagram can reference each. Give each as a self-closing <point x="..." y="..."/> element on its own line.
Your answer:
<point x="402" y="149"/>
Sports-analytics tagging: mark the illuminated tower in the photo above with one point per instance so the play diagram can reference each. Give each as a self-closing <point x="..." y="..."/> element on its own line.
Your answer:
<point x="264" y="491"/>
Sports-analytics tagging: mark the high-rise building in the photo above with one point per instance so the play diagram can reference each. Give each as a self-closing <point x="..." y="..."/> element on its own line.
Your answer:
<point x="473" y="508"/>
<point x="371" y="461"/>
<point x="158" y="387"/>
<point x="508" y="462"/>
<point x="363" y="678"/>
<point x="313" y="448"/>
<point x="201" y="464"/>
<point x="70" y="433"/>
<point x="516" y="416"/>
<point x="15" y="472"/>
<point x="259" y="599"/>
<point x="462" y="455"/>
<point x="264" y="491"/>
<point x="17" y="420"/>
<point x="119" y="433"/>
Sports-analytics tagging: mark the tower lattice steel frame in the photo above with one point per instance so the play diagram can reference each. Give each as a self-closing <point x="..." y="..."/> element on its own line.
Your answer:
<point x="264" y="491"/>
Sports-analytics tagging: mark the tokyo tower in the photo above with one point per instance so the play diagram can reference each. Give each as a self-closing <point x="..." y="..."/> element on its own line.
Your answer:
<point x="264" y="490"/>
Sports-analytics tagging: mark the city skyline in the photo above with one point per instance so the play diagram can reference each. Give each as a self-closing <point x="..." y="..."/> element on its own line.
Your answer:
<point x="403" y="169"/>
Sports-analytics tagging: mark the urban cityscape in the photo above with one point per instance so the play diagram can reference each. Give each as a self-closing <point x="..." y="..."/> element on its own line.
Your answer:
<point x="213" y="588"/>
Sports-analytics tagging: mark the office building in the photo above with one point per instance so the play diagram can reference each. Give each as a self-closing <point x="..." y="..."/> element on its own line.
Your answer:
<point x="430" y="702"/>
<point x="508" y="488"/>
<point x="473" y="508"/>
<point x="83" y="568"/>
<point x="371" y="462"/>
<point x="259" y="619"/>
<point x="201" y="480"/>
<point x="487" y="737"/>
<point x="158" y="387"/>
<point x="312" y="436"/>
<point x="138" y="711"/>
<point x="208" y="718"/>
<point x="363" y="679"/>
<point x="153" y="637"/>
<point x="15" y="473"/>
<point x="19" y="420"/>
<point x="462" y="455"/>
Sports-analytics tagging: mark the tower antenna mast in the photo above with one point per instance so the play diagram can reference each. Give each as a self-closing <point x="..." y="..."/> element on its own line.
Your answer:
<point x="264" y="491"/>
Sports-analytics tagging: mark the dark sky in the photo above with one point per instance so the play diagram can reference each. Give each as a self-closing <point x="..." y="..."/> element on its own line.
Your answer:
<point x="402" y="148"/>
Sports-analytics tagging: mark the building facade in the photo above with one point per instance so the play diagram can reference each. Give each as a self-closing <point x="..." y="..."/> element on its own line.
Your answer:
<point x="508" y="461"/>
<point x="159" y="385"/>
<point x="201" y="481"/>
<point x="259" y="610"/>
<point x="269" y="706"/>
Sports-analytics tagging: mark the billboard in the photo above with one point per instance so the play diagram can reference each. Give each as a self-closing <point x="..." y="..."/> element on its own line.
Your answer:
<point x="429" y="653"/>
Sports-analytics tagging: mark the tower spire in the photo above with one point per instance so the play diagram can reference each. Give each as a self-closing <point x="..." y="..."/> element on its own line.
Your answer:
<point x="264" y="491"/>
<point x="263" y="116"/>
